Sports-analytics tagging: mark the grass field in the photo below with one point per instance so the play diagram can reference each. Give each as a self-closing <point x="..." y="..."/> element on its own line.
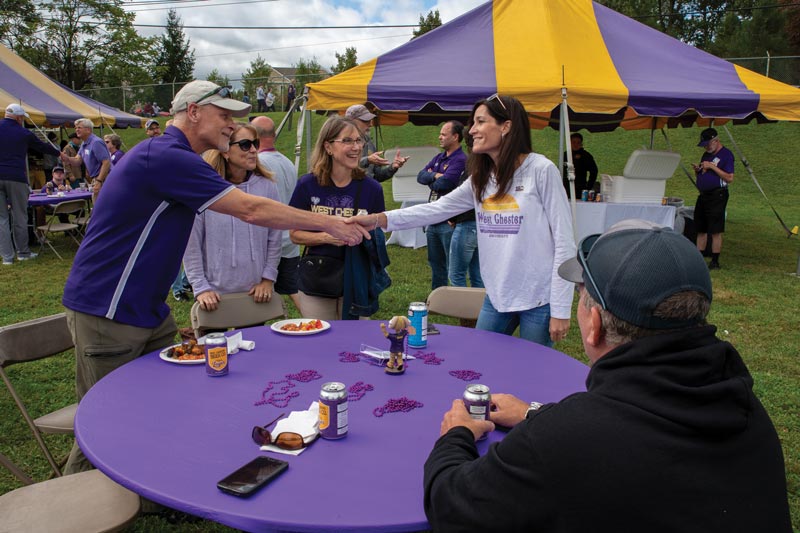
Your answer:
<point x="755" y="294"/>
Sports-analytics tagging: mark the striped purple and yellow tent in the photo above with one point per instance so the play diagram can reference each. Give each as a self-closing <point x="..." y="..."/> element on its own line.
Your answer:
<point x="616" y="72"/>
<point x="49" y="103"/>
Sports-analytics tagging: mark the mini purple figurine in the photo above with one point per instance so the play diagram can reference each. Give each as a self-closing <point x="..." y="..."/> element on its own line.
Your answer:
<point x="401" y="327"/>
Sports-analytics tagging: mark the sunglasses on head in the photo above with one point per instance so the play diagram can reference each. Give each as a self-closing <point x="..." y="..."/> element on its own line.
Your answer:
<point x="246" y="144"/>
<point x="496" y="96"/>
<point x="223" y="91"/>
<point x="288" y="440"/>
<point x="584" y="248"/>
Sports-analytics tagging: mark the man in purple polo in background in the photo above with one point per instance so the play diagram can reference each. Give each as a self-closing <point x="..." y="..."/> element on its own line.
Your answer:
<point x="442" y="175"/>
<point x="714" y="174"/>
<point x="93" y="153"/>
<point x="16" y="140"/>
<point x="133" y="248"/>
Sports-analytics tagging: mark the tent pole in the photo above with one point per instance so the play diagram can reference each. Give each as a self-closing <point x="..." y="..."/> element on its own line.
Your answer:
<point x="288" y="116"/>
<point x="747" y="166"/>
<point x="564" y="135"/>
<point x="309" y="140"/>
<point x="298" y="147"/>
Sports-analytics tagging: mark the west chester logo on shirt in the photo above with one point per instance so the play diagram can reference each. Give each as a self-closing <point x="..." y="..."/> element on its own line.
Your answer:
<point x="499" y="216"/>
<point x="340" y="206"/>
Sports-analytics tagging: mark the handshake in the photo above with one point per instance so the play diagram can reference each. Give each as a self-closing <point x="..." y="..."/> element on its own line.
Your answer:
<point x="351" y="231"/>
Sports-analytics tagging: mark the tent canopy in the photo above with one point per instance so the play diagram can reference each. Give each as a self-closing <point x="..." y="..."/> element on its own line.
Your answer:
<point x="49" y="103"/>
<point x="616" y="71"/>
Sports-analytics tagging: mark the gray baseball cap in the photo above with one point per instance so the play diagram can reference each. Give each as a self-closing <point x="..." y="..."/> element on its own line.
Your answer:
<point x="360" y="112"/>
<point x="203" y="92"/>
<point x="633" y="266"/>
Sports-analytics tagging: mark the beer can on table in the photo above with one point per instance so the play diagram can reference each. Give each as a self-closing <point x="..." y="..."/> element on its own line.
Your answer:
<point x="418" y="316"/>
<point x="333" y="410"/>
<point x="216" y="354"/>
<point x="598" y="197"/>
<point x="585" y="195"/>
<point x="477" y="400"/>
<point x="591" y="196"/>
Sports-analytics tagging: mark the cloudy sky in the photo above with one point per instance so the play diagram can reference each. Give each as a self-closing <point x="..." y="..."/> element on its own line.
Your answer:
<point x="232" y="50"/>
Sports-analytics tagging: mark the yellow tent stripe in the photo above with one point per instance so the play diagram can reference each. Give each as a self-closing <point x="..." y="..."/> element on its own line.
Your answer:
<point x="33" y="76"/>
<point x="342" y="90"/>
<point x="543" y="37"/>
<point x="777" y="102"/>
<point x="37" y="115"/>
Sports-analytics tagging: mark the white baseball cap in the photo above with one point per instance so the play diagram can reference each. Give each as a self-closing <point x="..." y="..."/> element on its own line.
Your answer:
<point x="203" y="92"/>
<point x="16" y="110"/>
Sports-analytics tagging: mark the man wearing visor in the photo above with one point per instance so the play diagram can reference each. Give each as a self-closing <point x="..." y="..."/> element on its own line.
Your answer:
<point x="667" y="437"/>
<point x="114" y="295"/>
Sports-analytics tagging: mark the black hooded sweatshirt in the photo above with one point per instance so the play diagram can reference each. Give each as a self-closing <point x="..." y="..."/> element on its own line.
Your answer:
<point x="669" y="437"/>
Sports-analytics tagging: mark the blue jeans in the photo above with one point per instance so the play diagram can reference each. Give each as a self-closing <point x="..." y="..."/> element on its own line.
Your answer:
<point x="438" y="236"/>
<point x="181" y="284"/>
<point x="464" y="256"/>
<point x="534" y="324"/>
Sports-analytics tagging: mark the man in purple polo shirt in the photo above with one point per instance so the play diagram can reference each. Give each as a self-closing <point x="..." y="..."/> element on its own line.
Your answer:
<point x="133" y="248"/>
<point x="714" y="174"/>
<point x="442" y="175"/>
<point x="93" y="153"/>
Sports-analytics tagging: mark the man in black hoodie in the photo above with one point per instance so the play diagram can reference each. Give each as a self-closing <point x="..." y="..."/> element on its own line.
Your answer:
<point x="668" y="437"/>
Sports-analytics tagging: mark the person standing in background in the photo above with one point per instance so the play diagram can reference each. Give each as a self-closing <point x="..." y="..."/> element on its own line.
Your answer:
<point x="14" y="188"/>
<point x="372" y="161"/>
<point x="714" y="174"/>
<point x="585" y="167"/>
<point x="114" y="145"/>
<point x="286" y="180"/>
<point x="92" y="153"/>
<point x="441" y="175"/>
<point x="74" y="171"/>
<point x="261" y="98"/>
<point x="290" y="96"/>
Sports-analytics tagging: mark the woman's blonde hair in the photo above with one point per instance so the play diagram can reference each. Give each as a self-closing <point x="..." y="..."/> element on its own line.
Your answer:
<point x="218" y="162"/>
<point x="321" y="160"/>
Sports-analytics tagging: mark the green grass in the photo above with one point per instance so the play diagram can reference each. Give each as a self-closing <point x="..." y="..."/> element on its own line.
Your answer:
<point x="755" y="297"/>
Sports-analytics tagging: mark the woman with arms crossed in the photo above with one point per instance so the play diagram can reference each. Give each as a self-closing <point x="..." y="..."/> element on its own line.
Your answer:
<point x="523" y="221"/>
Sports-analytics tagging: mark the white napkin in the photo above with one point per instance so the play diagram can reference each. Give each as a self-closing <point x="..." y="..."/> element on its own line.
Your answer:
<point x="382" y="355"/>
<point x="306" y="423"/>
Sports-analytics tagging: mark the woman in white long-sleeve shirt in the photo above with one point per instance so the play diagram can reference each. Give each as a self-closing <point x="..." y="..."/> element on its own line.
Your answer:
<point x="224" y="254"/>
<point x="524" y="225"/>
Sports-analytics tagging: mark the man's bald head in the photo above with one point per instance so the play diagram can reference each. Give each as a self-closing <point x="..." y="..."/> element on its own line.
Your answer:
<point x="265" y="127"/>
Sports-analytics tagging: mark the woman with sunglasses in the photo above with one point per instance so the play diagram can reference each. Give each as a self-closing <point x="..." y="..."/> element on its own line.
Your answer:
<point x="224" y="254"/>
<point x="338" y="187"/>
<point x="524" y="225"/>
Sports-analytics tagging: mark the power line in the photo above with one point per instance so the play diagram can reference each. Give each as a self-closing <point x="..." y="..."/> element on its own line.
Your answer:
<point x="354" y="27"/>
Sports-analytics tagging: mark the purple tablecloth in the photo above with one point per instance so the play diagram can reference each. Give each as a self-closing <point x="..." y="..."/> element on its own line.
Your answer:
<point x="169" y="432"/>
<point x="39" y="199"/>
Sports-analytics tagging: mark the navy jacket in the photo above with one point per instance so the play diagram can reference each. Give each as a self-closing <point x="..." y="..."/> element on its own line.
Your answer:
<point x="365" y="276"/>
<point x="16" y="141"/>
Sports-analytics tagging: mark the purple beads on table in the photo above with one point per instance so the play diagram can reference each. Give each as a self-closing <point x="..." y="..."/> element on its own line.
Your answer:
<point x="280" y="398"/>
<point x="465" y="375"/>
<point x="396" y="405"/>
<point x="358" y="390"/>
<point x="429" y="358"/>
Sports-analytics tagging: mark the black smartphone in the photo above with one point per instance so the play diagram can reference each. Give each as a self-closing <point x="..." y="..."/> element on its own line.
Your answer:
<point x="252" y="476"/>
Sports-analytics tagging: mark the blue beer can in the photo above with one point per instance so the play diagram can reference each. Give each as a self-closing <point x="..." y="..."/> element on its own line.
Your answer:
<point x="585" y="195"/>
<point x="418" y="316"/>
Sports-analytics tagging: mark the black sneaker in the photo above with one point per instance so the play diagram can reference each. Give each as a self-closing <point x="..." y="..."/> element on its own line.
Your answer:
<point x="714" y="265"/>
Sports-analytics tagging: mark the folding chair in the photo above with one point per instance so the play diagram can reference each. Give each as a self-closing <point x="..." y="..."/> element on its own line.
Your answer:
<point x="236" y="310"/>
<point x="54" y="224"/>
<point x="80" y="503"/>
<point x="459" y="302"/>
<point x="29" y="341"/>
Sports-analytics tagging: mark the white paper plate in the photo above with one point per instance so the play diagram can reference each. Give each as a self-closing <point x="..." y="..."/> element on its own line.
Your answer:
<point x="276" y="327"/>
<point x="163" y="355"/>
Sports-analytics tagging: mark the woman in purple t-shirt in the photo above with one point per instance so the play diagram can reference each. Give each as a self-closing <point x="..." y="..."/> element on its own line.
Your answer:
<point x="336" y="187"/>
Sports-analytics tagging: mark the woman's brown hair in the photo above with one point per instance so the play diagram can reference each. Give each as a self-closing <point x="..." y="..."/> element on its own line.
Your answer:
<point x="518" y="141"/>
<point x="321" y="160"/>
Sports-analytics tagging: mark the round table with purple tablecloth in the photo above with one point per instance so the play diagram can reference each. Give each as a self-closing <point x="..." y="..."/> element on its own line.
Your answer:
<point x="170" y="432"/>
<point x="40" y="199"/>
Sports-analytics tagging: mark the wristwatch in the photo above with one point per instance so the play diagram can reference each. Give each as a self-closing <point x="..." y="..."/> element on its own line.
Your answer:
<point x="535" y="406"/>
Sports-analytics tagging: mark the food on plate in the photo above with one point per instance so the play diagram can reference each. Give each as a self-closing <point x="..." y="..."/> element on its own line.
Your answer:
<point x="311" y="325"/>
<point x="188" y="351"/>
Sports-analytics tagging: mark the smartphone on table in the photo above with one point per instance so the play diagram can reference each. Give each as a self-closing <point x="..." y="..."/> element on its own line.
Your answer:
<point x="252" y="476"/>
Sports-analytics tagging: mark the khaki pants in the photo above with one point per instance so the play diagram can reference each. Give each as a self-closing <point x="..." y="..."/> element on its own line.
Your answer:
<point x="322" y="308"/>
<point x="103" y="345"/>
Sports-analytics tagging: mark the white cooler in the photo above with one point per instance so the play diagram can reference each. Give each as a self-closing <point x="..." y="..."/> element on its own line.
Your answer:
<point x="643" y="180"/>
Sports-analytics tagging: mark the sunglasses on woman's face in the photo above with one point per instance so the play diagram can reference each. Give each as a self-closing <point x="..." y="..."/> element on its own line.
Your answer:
<point x="287" y="440"/>
<point x="246" y="144"/>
